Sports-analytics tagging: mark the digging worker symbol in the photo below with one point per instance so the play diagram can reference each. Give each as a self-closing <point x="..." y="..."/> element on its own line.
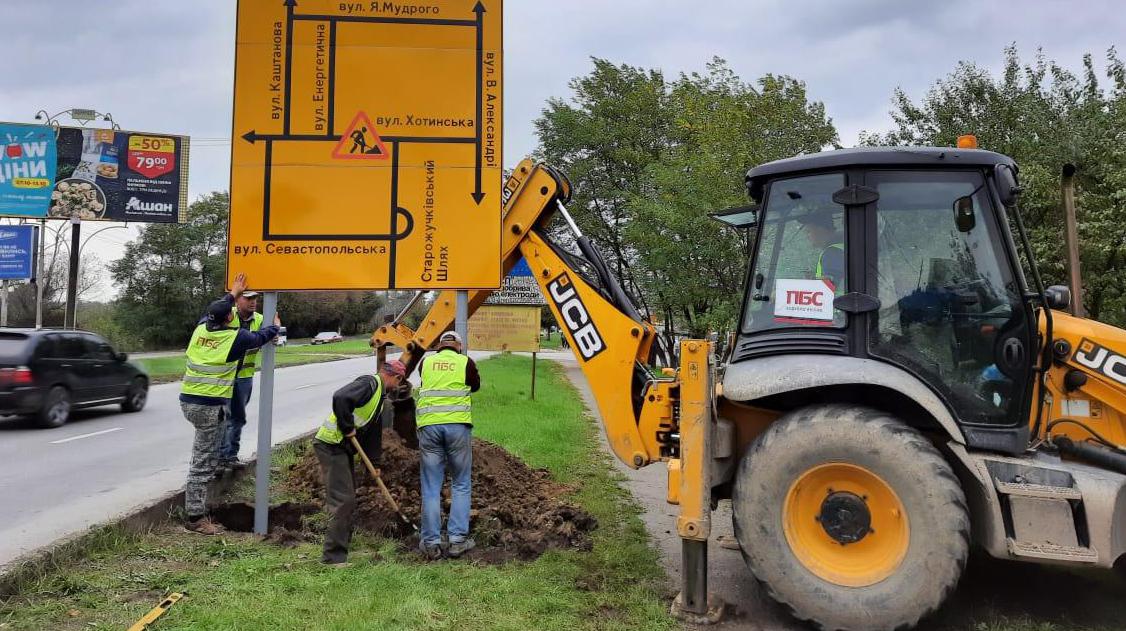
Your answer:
<point x="445" y="422"/>
<point x="360" y="142"/>
<point x="356" y="411"/>
<point x="213" y="357"/>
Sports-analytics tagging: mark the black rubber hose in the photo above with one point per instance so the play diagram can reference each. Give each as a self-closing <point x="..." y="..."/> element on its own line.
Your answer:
<point x="1094" y="454"/>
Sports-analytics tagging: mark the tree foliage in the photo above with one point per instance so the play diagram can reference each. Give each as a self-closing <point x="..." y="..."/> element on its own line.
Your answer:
<point x="650" y="158"/>
<point x="171" y="272"/>
<point x="1044" y="117"/>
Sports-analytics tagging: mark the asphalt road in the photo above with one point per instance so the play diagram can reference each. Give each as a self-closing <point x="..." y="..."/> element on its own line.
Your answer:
<point x="104" y="464"/>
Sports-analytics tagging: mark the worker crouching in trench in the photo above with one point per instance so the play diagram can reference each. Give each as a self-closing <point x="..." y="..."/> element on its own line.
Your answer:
<point x="356" y="412"/>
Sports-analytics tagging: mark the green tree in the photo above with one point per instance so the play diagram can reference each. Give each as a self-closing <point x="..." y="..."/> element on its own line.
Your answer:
<point x="171" y="271"/>
<point x="1043" y="116"/>
<point x="650" y="158"/>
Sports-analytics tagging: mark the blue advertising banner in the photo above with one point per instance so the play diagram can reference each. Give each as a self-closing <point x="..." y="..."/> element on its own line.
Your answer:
<point x="518" y="288"/>
<point x="17" y="252"/>
<point x="27" y="169"/>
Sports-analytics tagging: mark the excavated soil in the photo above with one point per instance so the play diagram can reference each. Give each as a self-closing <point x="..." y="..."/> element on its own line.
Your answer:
<point x="517" y="512"/>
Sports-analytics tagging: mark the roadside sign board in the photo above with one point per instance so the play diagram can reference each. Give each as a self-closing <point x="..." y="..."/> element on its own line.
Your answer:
<point x="367" y="145"/>
<point x="27" y="169"/>
<point x="115" y="175"/>
<point x="518" y="288"/>
<point x="505" y="328"/>
<point x="17" y="252"/>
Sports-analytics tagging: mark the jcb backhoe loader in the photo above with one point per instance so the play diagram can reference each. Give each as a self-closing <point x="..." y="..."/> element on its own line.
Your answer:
<point x="899" y="385"/>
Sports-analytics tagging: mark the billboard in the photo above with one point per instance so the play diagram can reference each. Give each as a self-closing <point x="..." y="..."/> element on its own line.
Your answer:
<point x="367" y="145"/>
<point x="27" y="169"/>
<point x="114" y="175"/>
<point x="505" y="328"/>
<point x="17" y="252"/>
<point x="518" y="288"/>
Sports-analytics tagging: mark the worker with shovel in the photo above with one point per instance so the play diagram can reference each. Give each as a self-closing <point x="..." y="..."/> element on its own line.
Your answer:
<point x="349" y="427"/>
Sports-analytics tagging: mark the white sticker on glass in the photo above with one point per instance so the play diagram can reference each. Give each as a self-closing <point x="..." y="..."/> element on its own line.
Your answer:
<point x="803" y="301"/>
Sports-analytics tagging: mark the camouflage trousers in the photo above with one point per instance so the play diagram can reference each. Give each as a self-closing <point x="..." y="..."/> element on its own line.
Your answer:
<point x="210" y="427"/>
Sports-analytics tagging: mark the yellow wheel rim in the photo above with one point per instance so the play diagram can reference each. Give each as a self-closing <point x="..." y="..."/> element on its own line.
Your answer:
<point x="846" y="525"/>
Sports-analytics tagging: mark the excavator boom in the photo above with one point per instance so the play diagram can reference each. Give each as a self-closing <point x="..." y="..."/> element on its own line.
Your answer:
<point x="611" y="341"/>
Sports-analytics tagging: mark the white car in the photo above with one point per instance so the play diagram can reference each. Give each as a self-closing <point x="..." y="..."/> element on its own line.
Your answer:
<point x="326" y="337"/>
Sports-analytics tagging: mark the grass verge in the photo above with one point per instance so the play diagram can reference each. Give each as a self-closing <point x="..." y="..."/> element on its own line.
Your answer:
<point x="171" y="367"/>
<point x="236" y="582"/>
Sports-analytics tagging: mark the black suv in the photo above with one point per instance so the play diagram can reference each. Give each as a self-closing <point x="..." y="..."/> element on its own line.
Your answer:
<point x="47" y="373"/>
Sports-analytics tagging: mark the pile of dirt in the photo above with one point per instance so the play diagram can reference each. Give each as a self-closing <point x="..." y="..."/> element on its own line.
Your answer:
<point x="517" y="512"/>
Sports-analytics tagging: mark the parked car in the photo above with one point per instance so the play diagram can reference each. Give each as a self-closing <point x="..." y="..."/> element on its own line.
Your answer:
<point x="47" y="373"/>
<point x="282" y="339"/>
<point x="326" y="337"/>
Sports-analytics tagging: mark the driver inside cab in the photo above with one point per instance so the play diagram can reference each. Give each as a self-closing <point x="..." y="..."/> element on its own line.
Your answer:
<point x="828" y="244"/>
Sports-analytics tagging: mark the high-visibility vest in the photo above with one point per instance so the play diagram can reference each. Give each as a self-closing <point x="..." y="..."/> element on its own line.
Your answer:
<point x="250" y="359"/>
<point x="820" y="271"/>
<point x="208" y="373"/>
<point x="444" y="396"/>
<point x="330" y="433"/>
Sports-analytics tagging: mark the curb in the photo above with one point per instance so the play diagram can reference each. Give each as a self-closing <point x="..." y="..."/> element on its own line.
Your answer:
<point x="73" y="547"/>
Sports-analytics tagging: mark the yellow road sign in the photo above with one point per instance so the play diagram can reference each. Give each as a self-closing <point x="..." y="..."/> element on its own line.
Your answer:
<point x="367" y="145"/>
<point x="505" y="328"/>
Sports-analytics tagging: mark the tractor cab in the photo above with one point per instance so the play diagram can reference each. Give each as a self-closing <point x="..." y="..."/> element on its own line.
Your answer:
<point x="900" y="257"/>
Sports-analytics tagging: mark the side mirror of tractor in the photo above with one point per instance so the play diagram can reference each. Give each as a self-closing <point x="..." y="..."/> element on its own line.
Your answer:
<point x="1058" y="297"/>
<point x="1007" y="187"/>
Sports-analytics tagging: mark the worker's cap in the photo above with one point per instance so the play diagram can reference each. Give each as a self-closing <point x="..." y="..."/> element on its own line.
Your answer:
<point x="450" y="336"/>
<point x="395" y="368"/>
<point x="822" y="219"/>
<point x="218" y="312"/>
<point x="249" y="294"/>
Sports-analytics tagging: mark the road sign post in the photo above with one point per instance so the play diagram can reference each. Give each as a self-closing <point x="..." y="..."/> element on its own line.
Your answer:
<point x="265" y="424"/>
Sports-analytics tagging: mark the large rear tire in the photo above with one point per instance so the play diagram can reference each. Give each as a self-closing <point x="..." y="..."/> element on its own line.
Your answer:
<point x="851" y="518"/>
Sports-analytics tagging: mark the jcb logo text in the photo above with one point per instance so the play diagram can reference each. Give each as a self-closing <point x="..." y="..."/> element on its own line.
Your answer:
<point x="1100" y="359"/>
<point x="575" y="317"/>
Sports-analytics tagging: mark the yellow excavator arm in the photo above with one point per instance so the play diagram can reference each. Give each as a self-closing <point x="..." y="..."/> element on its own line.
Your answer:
<point x="611" y="341"/>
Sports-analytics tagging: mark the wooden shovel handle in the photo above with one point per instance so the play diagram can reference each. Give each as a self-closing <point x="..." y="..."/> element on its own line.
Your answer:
<point x="375" y="474"/>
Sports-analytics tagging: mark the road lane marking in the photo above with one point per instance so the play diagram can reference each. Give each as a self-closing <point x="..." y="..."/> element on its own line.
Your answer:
<point x="308" y="385"/>
<point x="81" y="436"/>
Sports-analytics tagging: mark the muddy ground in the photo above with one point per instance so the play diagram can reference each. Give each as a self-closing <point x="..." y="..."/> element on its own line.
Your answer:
<point x="517" y="512"/>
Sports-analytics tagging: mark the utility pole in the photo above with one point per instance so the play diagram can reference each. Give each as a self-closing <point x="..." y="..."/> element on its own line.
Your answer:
<point x="1071" y="236"/>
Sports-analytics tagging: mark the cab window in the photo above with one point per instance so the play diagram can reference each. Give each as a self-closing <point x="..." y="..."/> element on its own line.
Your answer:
<point x="950" y="305"/>
<point x="800" y="265"/>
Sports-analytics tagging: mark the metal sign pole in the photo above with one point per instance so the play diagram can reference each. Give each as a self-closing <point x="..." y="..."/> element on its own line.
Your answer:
<point x="533" y="376"/>
<point x="39" y="279"/>
<point x="4" y="302"/>
<point x="265" y="423"/>
<point x="461" y="318"/>
<point x="72" y="274"/>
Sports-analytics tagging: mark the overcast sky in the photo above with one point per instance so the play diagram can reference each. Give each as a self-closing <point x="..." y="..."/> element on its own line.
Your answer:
<point x="167" y="65"/>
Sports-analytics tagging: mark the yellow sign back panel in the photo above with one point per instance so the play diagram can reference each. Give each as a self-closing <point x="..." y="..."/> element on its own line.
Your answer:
<point x="367" y="145"/>
<point x="505" y="328"/>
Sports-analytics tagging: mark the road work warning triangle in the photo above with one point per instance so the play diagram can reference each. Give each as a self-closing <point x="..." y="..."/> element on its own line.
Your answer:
<point x="360" y="142"/>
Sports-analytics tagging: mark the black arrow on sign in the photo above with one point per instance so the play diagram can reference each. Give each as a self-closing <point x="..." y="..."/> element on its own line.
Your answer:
<point x="479" y="9"/>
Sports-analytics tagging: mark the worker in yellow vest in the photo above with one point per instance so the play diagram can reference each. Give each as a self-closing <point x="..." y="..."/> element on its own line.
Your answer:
<point x="355" y="413"/>
<point x="247" y="317"/>
<point x="829" y="243"/>
<point x="445" y="422"/>
<point x="213" y="354"/>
